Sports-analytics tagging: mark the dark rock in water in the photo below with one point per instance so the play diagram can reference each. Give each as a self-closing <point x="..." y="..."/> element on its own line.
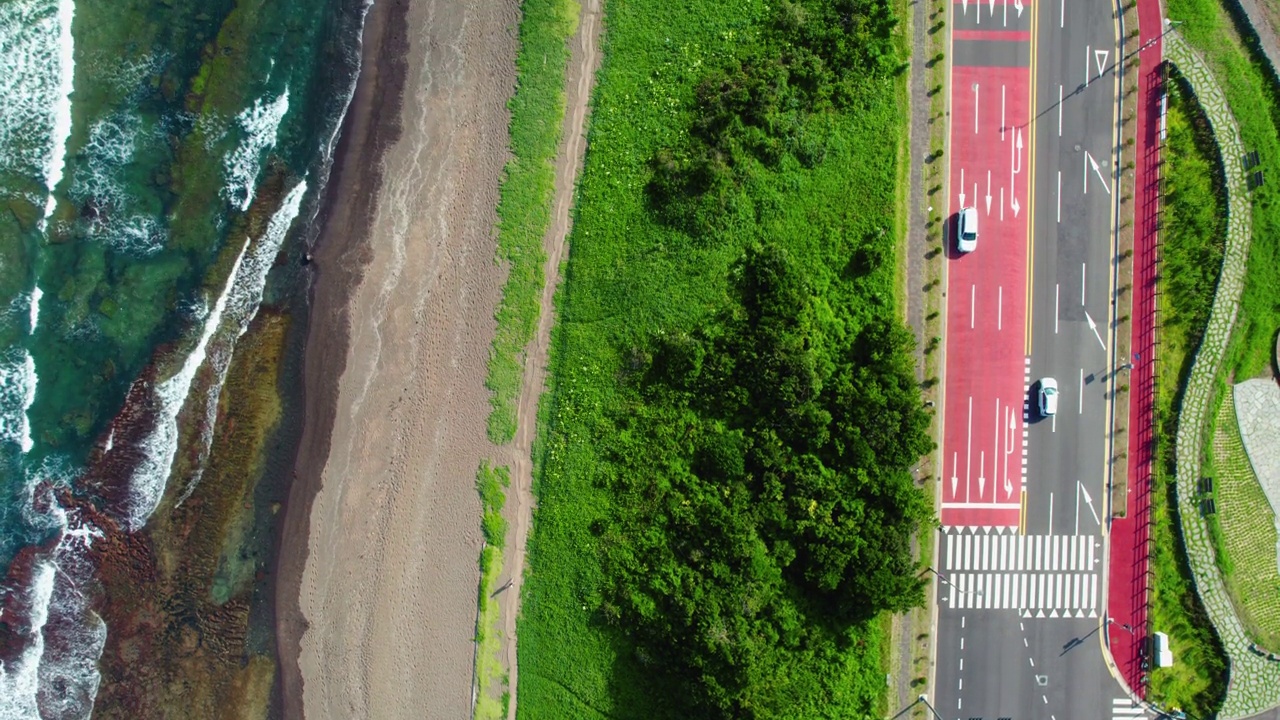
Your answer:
<point x="94" y="211"/>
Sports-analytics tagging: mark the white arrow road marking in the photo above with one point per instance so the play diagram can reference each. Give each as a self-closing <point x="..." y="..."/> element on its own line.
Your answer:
<point x="993" y="7"/>
<point x="1096" y="169"/>
<point x="1089" y="501"/>
<point x="982" y="477"/>
<point x="1094" y="327"/>
<point x="964" y="7"/>
<point x="1017" y="5"/>
<point x="1015" y="168"/>
<point x="955" y="466"/>
<point x="988" y="192"/>
<point x="962" y="188"/>
<point x="1100" y="57"/>
<point x="1008" y="450"/>
<point x="968" y="452"/>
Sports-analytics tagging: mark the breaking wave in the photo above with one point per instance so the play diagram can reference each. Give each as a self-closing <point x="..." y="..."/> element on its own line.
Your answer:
<point x="17" y="392"/>
<point x="237" y="306"/>
<point x="260" y="124"/>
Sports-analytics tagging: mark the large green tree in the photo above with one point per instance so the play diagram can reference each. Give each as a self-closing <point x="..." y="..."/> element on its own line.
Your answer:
<point x="766" y="502"/>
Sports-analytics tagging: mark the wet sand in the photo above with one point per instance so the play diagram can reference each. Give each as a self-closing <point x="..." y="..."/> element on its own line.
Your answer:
<point x="378" y="572"/>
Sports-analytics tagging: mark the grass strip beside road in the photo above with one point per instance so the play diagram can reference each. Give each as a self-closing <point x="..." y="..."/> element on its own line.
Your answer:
<point x="524" y="202"/>
<point x="492" y="694"/>
<point x="1191" y="255"/>
<point x="1248" y="542"/>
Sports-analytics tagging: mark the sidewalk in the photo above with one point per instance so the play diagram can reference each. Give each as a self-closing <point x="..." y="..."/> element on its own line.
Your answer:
<point x="1130" y="535"/>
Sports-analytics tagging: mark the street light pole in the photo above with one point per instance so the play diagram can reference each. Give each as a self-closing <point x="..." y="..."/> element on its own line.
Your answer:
<point x="1128" y="628"/>
<point x="925" y="699"/>
<point x="947" y="582"/>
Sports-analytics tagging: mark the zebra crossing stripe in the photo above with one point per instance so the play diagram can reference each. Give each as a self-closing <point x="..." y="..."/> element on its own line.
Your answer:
<point x="1126" y="709"/>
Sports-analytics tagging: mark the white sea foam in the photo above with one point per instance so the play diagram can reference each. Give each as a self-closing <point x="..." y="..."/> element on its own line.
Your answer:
<point x="260" y="124"/>
<point x="111" y="145"/>
<point x="118" y="221"/>
<point x="160" y="447"/>
<point x="35" y="77"/>
<point x="61" y="103"/>
<point x="19" y="681"/>
<point x="17" y="392"/>
<point x="36" y="294"/>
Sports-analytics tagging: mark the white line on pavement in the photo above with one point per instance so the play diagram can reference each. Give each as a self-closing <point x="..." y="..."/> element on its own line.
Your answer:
<point x="1083" y="272"/>
<point x="1059" y="193"/>
<point x="1059" y="113"/>
<point x="1057" y="290"/>
<point x="1080" y="408"/>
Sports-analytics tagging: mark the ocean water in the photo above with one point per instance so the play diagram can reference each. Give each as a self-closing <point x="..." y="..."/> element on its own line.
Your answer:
<point x="157" y="159"/>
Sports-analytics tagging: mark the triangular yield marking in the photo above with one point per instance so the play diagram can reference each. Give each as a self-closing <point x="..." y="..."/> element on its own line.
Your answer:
<point x="1040" y="613"/>
<point x="946" y="529"/>
<point x="1100" y="57"/>
<point x="1026" y="613"/>
<point x="1093" y="613"/>
<point x="1053" y="613"/>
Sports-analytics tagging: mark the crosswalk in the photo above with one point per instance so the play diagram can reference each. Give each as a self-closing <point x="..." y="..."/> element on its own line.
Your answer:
<point x="1043" y="576"/>
<point x="1126" y="709"/>
<point x="1019" y="553"/>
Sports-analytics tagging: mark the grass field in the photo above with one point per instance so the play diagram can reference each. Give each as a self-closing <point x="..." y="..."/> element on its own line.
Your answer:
<point x="1192" y="258"/>
<point x="1249" y="535"/>
<point x="1251" y="92"/>
<point x="631" y="277"/>
<point x="524" y="203"/>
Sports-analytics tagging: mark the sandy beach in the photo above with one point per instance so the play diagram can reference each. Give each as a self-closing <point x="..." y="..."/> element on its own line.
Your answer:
<point x="378" y="571"/>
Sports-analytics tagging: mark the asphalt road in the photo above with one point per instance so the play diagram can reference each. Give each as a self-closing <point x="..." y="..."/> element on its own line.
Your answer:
<point x="1022" y="591"/>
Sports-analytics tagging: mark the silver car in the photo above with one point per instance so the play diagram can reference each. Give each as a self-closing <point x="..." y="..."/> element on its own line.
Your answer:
<point x="967" y="230"/>
<point x="1048" y="397"/>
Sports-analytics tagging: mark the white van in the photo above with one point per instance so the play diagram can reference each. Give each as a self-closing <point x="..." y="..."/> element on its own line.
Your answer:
<point x="967" y="230"/>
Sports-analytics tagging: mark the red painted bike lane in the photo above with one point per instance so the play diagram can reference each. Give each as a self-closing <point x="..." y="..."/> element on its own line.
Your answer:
<point x="1130" y="536"/>
<point x="983" y="460"/>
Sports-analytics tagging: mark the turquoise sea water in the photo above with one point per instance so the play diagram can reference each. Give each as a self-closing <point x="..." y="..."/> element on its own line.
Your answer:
<point x="136" y="139"/>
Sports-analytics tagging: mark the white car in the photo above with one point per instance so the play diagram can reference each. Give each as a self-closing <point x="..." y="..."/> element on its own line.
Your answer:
<point x="967" y="230"/>
<point x="1048" y="397"/>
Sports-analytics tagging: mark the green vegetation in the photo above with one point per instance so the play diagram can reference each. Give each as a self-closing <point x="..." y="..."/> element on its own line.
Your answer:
<point x="1195" y="230"/>
<point x="1192" y="245"/>
<point x="724" y="501"/>
<point x="1249" y="535"/>
<point x="492" y="695"/>
<point x="1251" y="91"/>
<point x="524" y="203"/>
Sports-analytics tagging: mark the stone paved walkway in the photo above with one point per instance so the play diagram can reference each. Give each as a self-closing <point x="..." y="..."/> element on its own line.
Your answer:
<point x="1258" y="412"/>
<point x="1254" y="683"/>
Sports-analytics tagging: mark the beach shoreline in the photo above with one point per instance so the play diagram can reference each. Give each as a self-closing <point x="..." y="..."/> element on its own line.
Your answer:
<point x="338" y="254"/>
<point x="376" y="572"/>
